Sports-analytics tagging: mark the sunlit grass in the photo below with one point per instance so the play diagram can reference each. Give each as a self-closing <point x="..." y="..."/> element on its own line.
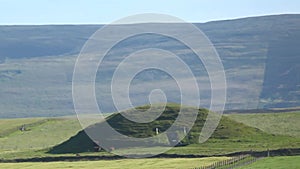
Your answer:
<point x="284" y="162"/>
<point x="164" y="163"/>
<point x="274" y="123"/>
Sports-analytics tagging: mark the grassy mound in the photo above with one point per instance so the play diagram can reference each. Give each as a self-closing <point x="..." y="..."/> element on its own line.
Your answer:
<point x="227" y="129"/>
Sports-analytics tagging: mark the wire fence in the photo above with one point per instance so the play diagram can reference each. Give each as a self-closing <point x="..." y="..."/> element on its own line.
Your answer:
<point x="233" y="162"/>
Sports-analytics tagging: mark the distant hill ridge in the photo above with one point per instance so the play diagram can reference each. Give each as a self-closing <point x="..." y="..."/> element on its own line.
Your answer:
<point x="53" y="40"/>
<point x="261" y="58"/>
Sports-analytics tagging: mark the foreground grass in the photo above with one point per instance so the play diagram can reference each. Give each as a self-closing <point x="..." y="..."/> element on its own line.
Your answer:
<point x="290" y="162"/>
<point x="125" y="164"/>
<point x="274" y="123"/>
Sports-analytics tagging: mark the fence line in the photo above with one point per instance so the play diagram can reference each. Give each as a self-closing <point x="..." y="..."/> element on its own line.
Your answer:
<point x="232" y="163"/>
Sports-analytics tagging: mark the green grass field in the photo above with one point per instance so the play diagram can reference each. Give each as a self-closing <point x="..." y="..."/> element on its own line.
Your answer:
<point x="165" y="163"/>
<point x="274" y="123"/>
<point x="285" y="162"/>
<point x="44" y="133"/>
<point x="8" y="126"/>
<point x="41" y="133"/>
<point x="229" y="137"/>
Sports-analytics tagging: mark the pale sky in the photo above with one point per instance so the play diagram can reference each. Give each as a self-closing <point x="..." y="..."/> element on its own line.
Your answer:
<point x="39" y="12"/>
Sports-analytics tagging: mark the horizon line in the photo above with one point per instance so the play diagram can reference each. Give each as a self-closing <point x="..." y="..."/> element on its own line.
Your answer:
<point x="197" y="22"/>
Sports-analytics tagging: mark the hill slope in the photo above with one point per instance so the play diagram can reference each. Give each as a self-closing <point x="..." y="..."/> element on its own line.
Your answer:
<point x="39" y="133"/>
<point x="227" y="129"/>
<point x="260" y="56"/>
<point x="274" y="123"/>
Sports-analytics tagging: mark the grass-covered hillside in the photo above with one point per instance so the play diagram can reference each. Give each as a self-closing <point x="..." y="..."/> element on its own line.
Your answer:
<point x="42" y="134"/>
<point x="274" y="123"/>
<point x="38" y="133"/>
<point x="260" y="57"/>
<point x="228" y="132"/>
